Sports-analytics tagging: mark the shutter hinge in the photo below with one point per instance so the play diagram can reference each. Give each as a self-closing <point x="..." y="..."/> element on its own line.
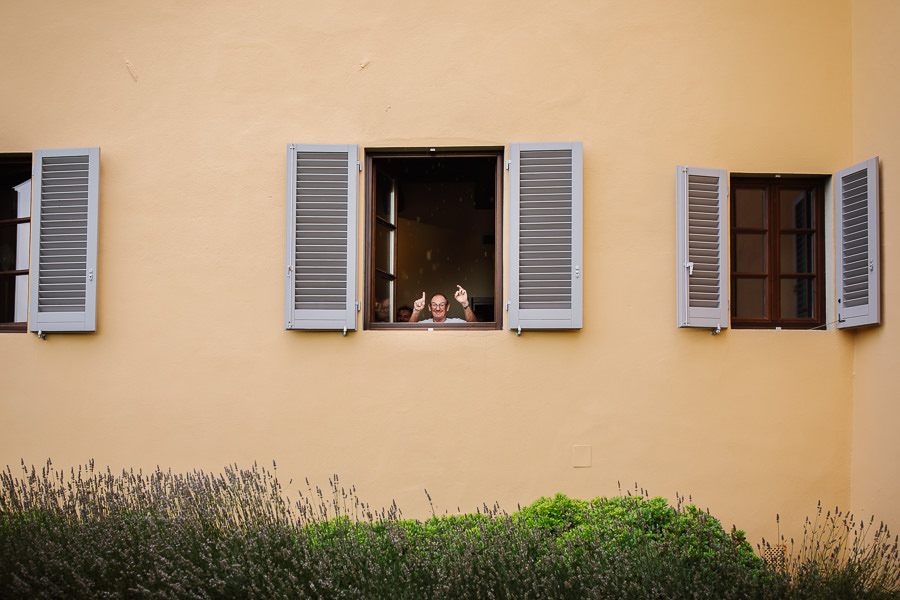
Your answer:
<point x="519" y="331"/>
<point x="359" y="166"/>
<point x="90" y="274"/>
<point x="872" y="265"/>
<point x="357" y="306"/>
<point x="690" y="267"/>
<point x="508" y="164"/>
<point x="290" y="270"/>
<point x="577" y="271"/>
<point x="345" y="331"/>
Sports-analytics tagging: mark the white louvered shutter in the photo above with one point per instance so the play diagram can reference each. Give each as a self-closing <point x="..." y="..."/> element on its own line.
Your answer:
<point x="64" y="240"/>
<point x="857" y="247"/>
<point x="320" y="256"/>
<point x="702" y="247"/>
<point x="545" y="262"/>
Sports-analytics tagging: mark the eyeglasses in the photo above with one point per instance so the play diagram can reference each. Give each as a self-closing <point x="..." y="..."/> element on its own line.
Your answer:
<point x="438" y="304"/>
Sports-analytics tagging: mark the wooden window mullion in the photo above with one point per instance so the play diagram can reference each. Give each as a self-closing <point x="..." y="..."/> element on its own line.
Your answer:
<point x="773" y="243"/>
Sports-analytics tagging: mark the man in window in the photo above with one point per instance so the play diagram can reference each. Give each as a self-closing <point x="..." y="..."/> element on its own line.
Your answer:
<point x="439" y="307"/>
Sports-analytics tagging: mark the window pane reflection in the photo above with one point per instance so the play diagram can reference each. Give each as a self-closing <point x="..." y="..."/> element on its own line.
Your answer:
<point x="749" y="207"/>
<point x="749" y="298"/>
<point x="750" y="252"/>
<point x="384" y="248"/>
<point x="797" y="253"/>
<point x="383" y="306"/>
<point x="796" y="209"/>
<point x="797" y="298"/>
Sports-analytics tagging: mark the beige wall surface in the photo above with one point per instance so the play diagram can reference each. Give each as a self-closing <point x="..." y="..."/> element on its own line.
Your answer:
<point x="193" y="105"/>
<point x="876" y="386"/>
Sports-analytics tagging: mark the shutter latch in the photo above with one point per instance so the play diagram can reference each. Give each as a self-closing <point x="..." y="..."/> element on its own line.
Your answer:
<point x="90" y="274"/>
<point x="577" y="271"/>
<point x="690" y="267"/>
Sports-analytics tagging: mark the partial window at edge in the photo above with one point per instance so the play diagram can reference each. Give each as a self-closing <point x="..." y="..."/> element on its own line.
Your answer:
<point x="15" y="227"/>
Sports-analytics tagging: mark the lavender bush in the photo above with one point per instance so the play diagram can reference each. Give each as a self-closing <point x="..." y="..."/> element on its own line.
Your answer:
<point x="840" y="557"/>
<point x="92" y="534"/>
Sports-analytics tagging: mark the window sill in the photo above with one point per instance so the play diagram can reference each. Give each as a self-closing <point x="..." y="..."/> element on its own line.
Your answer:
<point x="784" y="326"/>
<point x="478" y="326"/>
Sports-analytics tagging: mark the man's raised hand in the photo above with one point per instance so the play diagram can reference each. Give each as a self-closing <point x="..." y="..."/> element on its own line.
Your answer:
<point x="461" y="296"/>
<point x="419" y="304"/>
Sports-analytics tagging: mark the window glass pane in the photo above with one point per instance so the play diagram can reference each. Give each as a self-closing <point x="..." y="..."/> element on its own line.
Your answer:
<point x="24" y="210"/>
<point x="24" y="234"/>
<point x="7" y="298"/>
<point x="796" y="298"/>
<point x="8" y="204"/>
<point x="749" y="207"/>
<point x="384" y="248"/>
<point x="797" y="253"/>
<point x="750" y="253"/>
<point x="384" y="197"/>
<point x="749" y="298"/>
<point x="796" y="208"/>
<point x="21" y="301"/>
<point x="383" y="305"/>
<point x="8" y="246"/>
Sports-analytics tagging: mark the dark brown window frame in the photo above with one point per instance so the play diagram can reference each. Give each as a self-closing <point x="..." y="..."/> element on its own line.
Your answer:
<point x="20" y="160"/>
<point x="773" y="231"/>
<point x="369" y="254"/>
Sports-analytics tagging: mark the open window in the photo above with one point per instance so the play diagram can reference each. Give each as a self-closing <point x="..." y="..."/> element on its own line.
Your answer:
<point x="434" y="221"/>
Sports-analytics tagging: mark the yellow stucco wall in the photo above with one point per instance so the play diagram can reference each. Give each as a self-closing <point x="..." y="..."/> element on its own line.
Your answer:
<point x="193" y="105"/>
<point x="876" y="387"/>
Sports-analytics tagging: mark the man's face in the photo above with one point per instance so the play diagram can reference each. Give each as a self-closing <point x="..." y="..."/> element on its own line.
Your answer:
<point x="403" y="315"/>
<point x="439" y="308"/>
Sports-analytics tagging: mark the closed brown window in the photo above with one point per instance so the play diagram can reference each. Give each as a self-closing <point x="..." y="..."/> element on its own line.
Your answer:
<point x="777" y="252"/>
